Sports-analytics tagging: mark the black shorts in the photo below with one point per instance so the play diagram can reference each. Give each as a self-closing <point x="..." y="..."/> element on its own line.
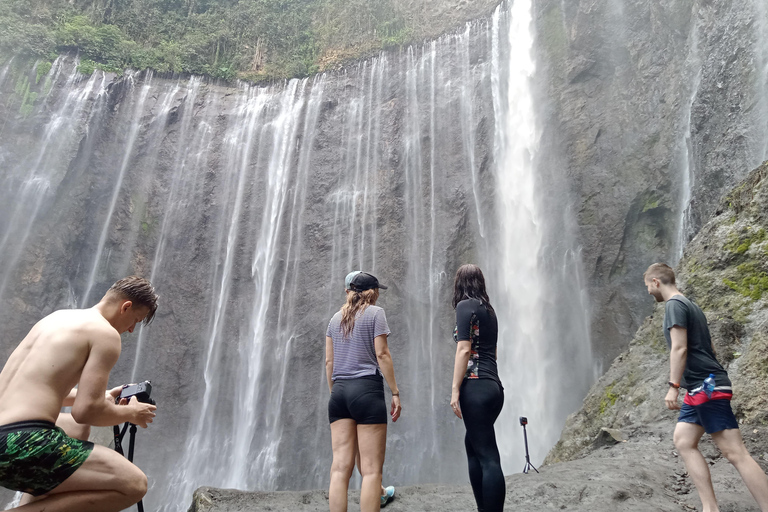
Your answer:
<point x="713" y="415"/>
<point x="360" y="399"/>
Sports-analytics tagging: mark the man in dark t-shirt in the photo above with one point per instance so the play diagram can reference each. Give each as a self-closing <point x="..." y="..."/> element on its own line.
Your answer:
<point x="692" y="360"/>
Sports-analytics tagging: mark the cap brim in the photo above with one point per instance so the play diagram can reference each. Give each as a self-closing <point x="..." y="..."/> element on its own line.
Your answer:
<point x="381" y="286"/>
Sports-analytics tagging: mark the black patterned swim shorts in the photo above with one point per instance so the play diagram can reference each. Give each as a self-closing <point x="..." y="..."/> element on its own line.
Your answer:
<point x="37" y="456"/>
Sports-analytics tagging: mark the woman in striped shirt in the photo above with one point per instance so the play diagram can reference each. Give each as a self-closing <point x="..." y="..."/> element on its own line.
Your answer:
<point x="356" y="359"/>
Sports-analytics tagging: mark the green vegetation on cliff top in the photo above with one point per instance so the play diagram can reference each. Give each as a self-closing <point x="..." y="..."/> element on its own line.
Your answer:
<point x="248" y="39"/>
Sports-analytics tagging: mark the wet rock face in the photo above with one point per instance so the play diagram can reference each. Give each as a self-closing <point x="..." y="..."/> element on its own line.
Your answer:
<point x="655" y="109"/>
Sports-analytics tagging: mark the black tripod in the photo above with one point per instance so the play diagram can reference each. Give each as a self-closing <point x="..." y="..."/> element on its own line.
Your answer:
<point x="528" y="465"/>
<point x="119" y="434"/>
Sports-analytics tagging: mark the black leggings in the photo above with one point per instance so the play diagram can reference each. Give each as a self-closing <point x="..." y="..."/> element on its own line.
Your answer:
<point x="481" y="401"/>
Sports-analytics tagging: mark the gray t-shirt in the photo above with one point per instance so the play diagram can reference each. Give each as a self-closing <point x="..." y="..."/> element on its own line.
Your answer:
<point x="700" y="361"/>
<point x="355" y="356"/>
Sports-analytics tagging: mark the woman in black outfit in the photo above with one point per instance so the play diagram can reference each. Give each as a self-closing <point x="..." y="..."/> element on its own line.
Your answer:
<point x="477" y="395"/>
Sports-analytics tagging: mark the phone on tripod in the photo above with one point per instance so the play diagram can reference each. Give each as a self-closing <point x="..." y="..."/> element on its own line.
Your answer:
<point x="528" y="465"/>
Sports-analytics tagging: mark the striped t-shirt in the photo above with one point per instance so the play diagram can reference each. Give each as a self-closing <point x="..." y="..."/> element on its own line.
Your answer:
<point x="355" y="356"/>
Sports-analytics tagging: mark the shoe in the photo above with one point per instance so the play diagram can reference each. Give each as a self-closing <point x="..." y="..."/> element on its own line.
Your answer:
<point x="389" y="496"/>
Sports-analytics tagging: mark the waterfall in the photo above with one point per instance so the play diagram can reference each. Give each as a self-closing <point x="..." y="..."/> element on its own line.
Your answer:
<point x="247" y="205"/>
<point x="34" y="178"/>
<point x="180" y="191"/>
<point x="529" y="353"/>
<point x="761" y="79"/>
<point x="521" y="353"/>
<point x="4" y="70"/>
<point x="686" y="228"/>
<point x="133" y="133"/>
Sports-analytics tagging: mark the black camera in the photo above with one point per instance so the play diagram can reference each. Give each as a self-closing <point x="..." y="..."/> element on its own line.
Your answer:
<point x="523" y="420"/>
<point x="141" y="391"/>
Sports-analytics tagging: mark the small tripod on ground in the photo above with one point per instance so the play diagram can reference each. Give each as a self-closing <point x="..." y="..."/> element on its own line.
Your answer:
<point x="119" y="434"/>
<point x="528" y="465"/>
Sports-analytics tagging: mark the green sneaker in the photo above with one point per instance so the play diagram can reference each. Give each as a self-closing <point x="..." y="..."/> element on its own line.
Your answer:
<point x="388" y="496"/>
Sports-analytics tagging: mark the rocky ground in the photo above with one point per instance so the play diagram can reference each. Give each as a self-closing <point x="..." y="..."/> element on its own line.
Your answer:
<point x="640" y="473"/>
<point x="616" y="452"/>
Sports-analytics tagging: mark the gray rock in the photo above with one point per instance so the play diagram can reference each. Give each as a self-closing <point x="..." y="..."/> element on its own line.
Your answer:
<point x="607" y="437"/>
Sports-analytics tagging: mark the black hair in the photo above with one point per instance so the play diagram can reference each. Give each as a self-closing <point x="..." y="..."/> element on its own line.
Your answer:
<point x="470" y="284"/>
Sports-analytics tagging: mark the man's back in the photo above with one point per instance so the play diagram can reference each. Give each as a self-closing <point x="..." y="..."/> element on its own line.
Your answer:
<point x="48" y="363"/>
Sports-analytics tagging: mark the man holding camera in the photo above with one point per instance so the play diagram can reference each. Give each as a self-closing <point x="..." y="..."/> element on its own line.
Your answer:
<point x="66" y="348"/>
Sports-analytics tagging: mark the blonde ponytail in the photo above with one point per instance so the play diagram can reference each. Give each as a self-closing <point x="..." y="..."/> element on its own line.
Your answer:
<point x="355" y="305"/>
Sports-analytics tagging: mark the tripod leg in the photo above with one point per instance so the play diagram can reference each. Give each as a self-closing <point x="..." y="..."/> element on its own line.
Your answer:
<point x="131" y="444"/>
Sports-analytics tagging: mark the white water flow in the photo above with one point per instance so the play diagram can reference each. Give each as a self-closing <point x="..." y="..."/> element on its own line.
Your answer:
<point x="190" y="159"/>
<point x="521" y="330"/>
<point x="354" y="200"/>
<point x="686" y="228"/>
<point x="4" y="70"/>
<point x="42" y="173"/>
<point x="467" y="111"/>
<point x="761" y="79"/>
<point x="533" y="366"/>
<point x="214" y="419"/>
<point x="267" y="127"/>
<point x="243" y="468"/>
<point x="133" y="133"/>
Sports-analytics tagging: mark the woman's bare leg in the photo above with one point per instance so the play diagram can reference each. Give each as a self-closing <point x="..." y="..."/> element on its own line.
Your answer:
<point x="344" y="445"/>
<point x="372" y="441"/>
<point x="357" y="463"/>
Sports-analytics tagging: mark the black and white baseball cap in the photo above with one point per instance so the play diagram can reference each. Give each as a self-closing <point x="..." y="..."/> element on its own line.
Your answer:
<point x="362" y="281"/>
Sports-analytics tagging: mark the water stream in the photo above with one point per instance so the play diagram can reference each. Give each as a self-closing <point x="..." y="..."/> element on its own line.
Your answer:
<point x="686" y="228"/>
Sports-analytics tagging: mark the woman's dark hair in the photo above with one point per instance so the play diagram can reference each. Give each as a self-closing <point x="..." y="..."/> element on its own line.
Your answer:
<point x="470" y="284"/>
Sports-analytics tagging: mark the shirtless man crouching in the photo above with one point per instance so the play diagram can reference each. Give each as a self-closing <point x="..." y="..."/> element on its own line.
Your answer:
<point x="66" y="348"/>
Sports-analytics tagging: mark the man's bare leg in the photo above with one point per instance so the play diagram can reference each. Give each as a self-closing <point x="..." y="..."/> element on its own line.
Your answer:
<point x="106" y="482"/>
<point x="732" y="447"/>
<point x="687" y="436"/>
<point x="73" y="429"/>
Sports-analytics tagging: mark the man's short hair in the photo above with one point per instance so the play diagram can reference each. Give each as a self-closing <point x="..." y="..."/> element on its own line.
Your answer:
<point x="139" y="291"/>
<point x="662" y="272"/>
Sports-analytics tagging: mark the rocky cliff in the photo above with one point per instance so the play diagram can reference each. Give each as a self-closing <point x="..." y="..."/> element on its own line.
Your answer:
<point x="725" y="271"/>
<point x="655" y="109"/>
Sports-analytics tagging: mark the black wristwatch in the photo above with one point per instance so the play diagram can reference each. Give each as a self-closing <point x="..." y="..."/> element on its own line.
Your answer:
<point x="673" y="385"/>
